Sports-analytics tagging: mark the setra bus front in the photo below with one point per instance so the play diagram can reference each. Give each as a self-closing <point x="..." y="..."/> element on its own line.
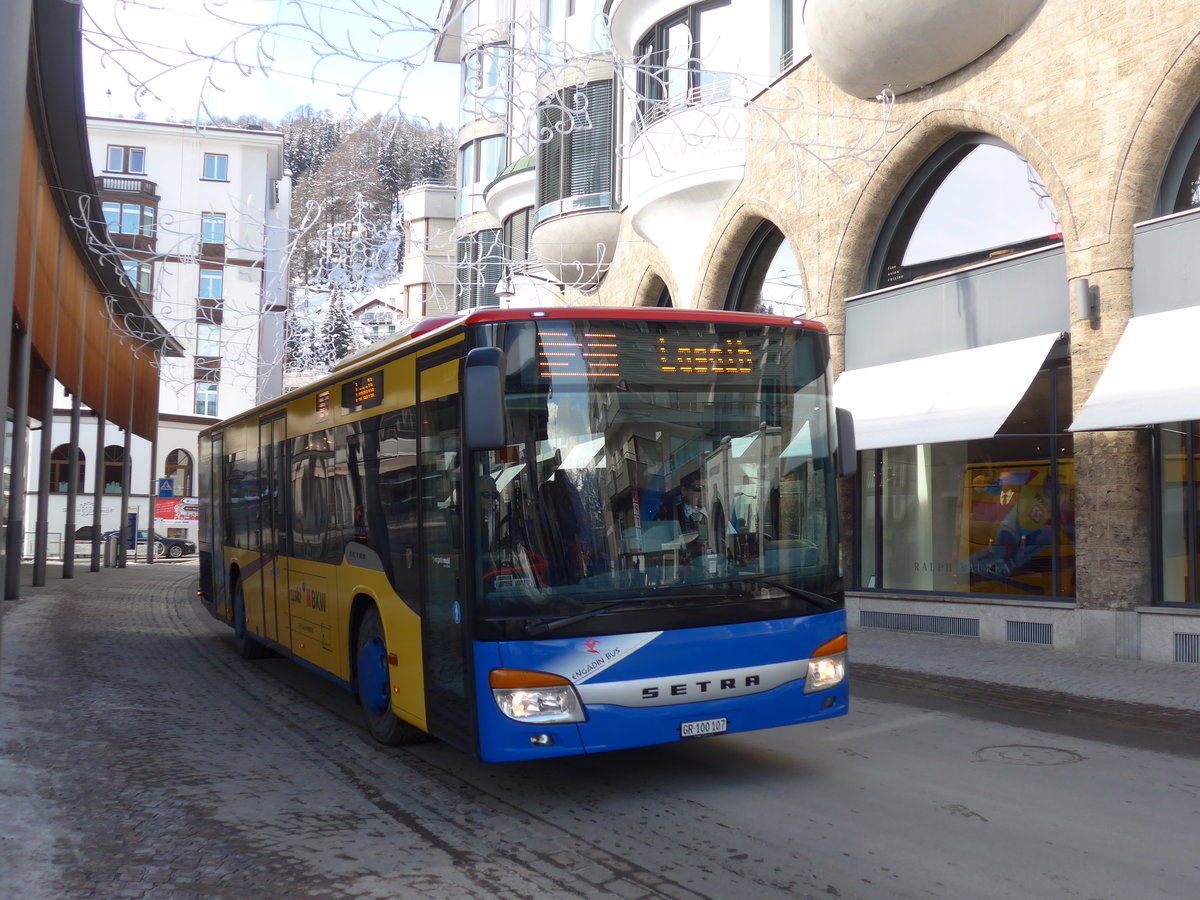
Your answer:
<point x="654" y="534"/>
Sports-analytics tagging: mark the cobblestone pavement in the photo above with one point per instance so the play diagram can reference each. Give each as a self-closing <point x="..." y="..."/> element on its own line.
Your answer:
<point x="140" y="757"/>
<point x="134" y="764"/>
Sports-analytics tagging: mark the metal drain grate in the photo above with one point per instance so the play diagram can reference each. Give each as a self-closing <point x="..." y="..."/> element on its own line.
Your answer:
<point x="956" y="626"/>
<point x="1187" y="647"/>
<point x="1029" y="633"/>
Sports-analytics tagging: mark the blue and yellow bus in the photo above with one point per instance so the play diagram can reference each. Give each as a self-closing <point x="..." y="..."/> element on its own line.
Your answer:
<point x="544" y="532"/>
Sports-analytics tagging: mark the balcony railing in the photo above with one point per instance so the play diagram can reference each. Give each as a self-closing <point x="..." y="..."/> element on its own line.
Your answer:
<point x="118" y="184"/>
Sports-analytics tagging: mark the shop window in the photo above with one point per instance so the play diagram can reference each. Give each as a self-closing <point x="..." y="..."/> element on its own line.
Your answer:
<point x="973" y="200"/>
<point x="1179" y="511"/>
<point x="767" y="276"/>
<point x="983" y="517"/>
<point x="114" y="469"/>
<point x="60" y="470"/>
<point x="179" y="470"/>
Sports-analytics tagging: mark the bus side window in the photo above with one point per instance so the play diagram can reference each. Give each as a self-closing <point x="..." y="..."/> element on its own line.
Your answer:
<point x="394" y="482"/>
<point x="312" y="464"/>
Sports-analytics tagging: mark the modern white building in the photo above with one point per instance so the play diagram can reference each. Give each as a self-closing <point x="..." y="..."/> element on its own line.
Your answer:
<point x="198" y="218"/>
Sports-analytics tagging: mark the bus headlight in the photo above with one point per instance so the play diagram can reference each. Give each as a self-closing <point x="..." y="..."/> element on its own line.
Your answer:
<point x="827" y="665"/>
<point x="535" y="697"/>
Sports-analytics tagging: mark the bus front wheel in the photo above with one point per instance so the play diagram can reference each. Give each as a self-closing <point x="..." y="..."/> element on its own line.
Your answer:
<point x="375" y="687"/>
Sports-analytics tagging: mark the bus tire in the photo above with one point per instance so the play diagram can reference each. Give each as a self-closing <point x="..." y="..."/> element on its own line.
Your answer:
<point x="245" y="644"/>
<point x="375" y="687"/>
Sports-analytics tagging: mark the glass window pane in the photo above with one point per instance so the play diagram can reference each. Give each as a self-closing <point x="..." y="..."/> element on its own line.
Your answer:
<point x="137" y="161"/>
<point x="116" y="159"/>
<point x="991" y="199"/>
<point x="112" y="215"/>
<point x="979" y="517"/>
<point x="466" y="165"/>
<point x="1178" y="464"/>
<point x="868" y="526"/>
<point x="130" y="218"/>
<point x="491" y="157"/>
<point x="782" y="290"/>
<point x="212" y="283"/>
<point x="206" y="399"/>
<point x="212" y="229"/>
<point x="208" y="340"/>
<point x="216" y="167"/>
<point x="679" y="53"/>
<point x="718" y="51"/>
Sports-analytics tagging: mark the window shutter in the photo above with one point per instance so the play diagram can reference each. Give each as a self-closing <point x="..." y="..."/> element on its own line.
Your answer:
<point x="591" y="140"/>
<point x="550" y="153"/>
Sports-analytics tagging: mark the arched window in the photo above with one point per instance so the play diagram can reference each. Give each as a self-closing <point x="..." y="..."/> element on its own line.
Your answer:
<point x="114" y="469"/>
<point x="1180" y="188"/>
<point x="974" y="199"/>
<point x="179" y="470"/>
<point x="60" y="470"/>
<point x="767" y="277"/>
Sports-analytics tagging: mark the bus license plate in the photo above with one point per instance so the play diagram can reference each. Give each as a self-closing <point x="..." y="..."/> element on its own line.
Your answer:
<point x="703" y="728"/>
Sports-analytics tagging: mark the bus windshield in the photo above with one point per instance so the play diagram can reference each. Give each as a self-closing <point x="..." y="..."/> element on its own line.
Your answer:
<point x="654" y="460"/>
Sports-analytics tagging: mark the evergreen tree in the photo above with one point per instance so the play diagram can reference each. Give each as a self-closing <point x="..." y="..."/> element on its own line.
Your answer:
<point x="338" y="338"/>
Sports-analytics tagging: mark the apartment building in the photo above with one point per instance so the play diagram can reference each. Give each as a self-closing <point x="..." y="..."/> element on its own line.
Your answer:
<point x="198" y="220"/>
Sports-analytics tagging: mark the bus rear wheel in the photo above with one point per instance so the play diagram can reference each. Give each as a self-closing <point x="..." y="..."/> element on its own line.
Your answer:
<point x="375" y="687"/>
<point x="245" y="644"/>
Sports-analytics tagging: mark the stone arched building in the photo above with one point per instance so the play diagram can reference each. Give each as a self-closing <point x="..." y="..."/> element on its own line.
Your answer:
<point x="992" y="209"/>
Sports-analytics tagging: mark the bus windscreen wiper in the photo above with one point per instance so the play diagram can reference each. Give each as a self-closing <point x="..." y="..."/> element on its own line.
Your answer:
<point x="535" y="629"/>
<point x="771" y="580"/>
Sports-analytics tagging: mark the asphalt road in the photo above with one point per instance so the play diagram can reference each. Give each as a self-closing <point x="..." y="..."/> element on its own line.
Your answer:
<point x="142" y="758"/>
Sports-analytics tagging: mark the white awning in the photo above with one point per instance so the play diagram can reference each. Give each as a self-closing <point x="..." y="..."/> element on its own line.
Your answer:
<point x="1153" y="375"/>
<point x="959" y="396"/>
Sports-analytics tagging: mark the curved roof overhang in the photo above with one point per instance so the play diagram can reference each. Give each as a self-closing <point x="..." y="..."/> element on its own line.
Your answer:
<point x="85" y="320"/>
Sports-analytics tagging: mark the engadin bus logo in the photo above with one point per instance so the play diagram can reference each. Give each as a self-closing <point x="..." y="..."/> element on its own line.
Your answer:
<point x="309" y="598"/>
<point x="583" y="659"/>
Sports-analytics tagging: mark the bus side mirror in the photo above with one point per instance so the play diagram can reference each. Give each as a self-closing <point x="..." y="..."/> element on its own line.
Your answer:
<point x="483" y="399"/>
<point x="847" y="453"/>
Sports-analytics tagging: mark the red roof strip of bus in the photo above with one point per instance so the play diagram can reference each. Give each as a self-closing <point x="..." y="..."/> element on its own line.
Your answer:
<point x="627" y="313"/>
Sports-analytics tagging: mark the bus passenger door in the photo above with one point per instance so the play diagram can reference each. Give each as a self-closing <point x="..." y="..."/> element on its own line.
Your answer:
<point x="449" y="703"/>
<point x="272" y="524"/>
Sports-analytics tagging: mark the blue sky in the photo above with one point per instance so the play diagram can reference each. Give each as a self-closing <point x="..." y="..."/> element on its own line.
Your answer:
<point x="334" y="54"/>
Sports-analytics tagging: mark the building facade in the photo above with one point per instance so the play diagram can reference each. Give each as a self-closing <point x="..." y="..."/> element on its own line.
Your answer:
<point x="989" y="208"/>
